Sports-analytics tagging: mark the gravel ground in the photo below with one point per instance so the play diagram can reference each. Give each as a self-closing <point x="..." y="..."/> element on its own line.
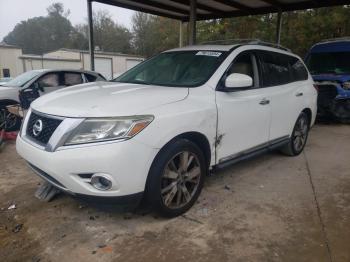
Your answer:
<point x="271" y="208"/>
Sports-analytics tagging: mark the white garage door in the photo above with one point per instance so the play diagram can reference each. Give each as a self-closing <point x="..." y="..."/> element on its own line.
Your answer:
<point x="130" y="63"/>
<point x="104" y="66"/>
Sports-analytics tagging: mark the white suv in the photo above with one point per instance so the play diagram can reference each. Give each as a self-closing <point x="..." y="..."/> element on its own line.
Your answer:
<point x="158" y="129"/>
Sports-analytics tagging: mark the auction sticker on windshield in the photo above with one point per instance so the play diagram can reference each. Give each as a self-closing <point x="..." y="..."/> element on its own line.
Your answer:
<point x="209" y="53"/>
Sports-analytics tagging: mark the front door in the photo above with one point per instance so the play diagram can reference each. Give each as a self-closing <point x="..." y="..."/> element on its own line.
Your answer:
<point x="243" y="116"/>
<point x="49" y="82"/>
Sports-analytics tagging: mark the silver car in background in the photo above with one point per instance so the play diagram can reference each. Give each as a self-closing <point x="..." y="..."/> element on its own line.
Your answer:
<point x="30" y="85"/>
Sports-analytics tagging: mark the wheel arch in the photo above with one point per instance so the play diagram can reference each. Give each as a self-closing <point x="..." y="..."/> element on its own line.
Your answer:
<point x="195" y="137"/>
<point x="200" y="140"/>
<point x="7" y="102"/>
<point x="308" y="112"/>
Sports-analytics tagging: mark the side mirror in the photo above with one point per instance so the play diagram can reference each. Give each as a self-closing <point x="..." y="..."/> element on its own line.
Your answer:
<point x="237" y="81"/>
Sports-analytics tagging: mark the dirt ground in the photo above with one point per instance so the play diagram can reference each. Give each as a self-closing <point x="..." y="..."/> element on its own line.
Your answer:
<point x="271" y="208"/>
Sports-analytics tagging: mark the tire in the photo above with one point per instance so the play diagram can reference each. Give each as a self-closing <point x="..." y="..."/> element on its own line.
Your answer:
<point x="180" y="186"/>
<point x="300" y="133"/>
<point x="13" y="122"/>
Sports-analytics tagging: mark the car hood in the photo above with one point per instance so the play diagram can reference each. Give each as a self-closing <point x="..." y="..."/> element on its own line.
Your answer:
<point x="107" y="99"/>
<point x="9" y="92"/>
<point x="3" y="87"/>
<point x="331" y="77"/>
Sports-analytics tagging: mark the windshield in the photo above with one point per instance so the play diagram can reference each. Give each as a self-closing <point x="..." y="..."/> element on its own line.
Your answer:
<point x="182" y="69"/>
<point x="22" y="79"/>
<point x="329" y="63"/>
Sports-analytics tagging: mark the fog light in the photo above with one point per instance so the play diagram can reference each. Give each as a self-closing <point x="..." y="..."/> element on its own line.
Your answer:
<point x="101" y="182"/>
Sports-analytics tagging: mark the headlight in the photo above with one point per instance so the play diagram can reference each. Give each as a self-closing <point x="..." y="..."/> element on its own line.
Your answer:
<point x="346" y="85"/>
<point x="106" y="129"/>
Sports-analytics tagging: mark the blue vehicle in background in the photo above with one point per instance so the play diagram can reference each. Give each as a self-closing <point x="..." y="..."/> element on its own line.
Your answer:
<point x="329" y="64"/>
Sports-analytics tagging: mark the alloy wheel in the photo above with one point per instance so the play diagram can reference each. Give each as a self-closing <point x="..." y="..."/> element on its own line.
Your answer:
<point x="300" y="134"/>
<point x="180" y="180"/>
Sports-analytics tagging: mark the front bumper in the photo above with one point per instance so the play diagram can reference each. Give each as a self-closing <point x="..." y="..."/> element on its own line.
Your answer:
<point x="127" y="163"/>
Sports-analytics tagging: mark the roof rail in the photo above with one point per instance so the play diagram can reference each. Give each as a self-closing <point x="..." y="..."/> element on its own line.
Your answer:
<point x="345" y="38"/>
<point x="245" y="42"/>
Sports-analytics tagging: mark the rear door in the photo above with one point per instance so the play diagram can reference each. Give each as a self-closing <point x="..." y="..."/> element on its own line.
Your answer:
<point x="244" y="115"/>
<point x="72" y="78"/>
<point x="285" y="93"/>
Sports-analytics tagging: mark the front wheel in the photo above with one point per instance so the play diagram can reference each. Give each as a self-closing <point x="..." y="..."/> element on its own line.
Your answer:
<point x="176" y="178"/>
<point x="9" y="121"/>
<point x="299" y="136"/>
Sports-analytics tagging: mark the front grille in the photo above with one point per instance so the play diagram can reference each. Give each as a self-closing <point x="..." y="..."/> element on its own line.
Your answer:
<point x="49" y="126"/>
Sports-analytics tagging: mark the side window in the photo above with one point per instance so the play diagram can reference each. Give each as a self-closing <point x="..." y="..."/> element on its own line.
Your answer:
<point x="298" y="70"/>
<point x="71" y="79"/>
<point x="245" y="63"/>
<point x="93" y="78"/>
<point x="275" y="68"/>
<point x="49" y="80"/>
<point x="90" y="78"/>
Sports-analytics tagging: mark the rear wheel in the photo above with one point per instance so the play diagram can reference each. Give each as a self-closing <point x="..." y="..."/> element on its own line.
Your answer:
<point x="299" y="136"/>
<point x="176" y="178"/>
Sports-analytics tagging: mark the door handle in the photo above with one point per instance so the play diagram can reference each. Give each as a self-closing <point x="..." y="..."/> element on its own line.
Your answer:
<point x="299" y="94"/>
<point x="264" y="101"/>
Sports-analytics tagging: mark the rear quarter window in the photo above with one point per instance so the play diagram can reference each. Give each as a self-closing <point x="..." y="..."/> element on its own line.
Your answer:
<point x="71" y="78"/>
<point x="298" y="70"/>
<point x="94" y="78"/>
<point x="280" y="69"/>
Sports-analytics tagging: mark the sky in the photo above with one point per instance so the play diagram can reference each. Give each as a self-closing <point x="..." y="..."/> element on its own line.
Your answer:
<point x="15" y="11"/>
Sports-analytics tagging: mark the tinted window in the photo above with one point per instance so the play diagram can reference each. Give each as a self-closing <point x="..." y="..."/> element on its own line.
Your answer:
<point x="49" y="80"/>
<point x="71" y="79"/>
<point x="298" y="70"/>
<point x="275" y="68"/>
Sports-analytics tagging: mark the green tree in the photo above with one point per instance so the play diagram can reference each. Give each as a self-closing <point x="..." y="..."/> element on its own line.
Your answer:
<point x="300" y="29"/>
<point x="153" y="34"/>
<point x="108" y="35"/>
<point x="143" y="40"/>
<point x="42" y="34"/>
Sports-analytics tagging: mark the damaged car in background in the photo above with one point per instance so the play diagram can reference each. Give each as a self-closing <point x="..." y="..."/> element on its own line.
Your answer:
<point x="329" y="64"/>
<point x="27" y="87"/>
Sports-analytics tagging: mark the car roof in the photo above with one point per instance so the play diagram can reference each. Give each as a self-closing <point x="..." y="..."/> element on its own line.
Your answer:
<point x="65" y="70"/>
<point x="228" y="45"/>
<point x="331" y="46"/>
<point x="204" y="47"/>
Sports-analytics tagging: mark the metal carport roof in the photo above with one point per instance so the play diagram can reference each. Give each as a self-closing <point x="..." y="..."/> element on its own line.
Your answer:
<point x="211" y="9"/>
<point x="193" y="10"/>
